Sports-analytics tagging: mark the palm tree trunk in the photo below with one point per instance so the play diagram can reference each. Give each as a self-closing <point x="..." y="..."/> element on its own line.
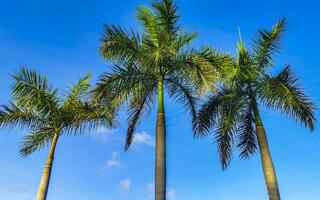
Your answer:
<point x="160" y="163"/>
<point x="267" y="164"/>
<point x="45" y="179"/>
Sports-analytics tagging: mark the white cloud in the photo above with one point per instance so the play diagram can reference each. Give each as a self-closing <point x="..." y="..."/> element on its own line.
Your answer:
<point x="150" y="191"/>
<point x="114" y="161"/>
<point x="171" y="194"/>
<point x="103" y="134"/>
<point x="144" y="138"/>
<point x="125" y="185"/>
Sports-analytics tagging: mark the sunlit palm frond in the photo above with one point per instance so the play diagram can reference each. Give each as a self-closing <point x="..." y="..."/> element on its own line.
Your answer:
<point x="149" y="22"/>
<point x="118" y="44"/>
<point x="183" y="39"/>
<point x="197" y="69"/>
<point x="122" y="82"/>
<point x="12" y="115"/>
<point x="32" y="90"/>
<point x="267" y="43"/>
<point x="166" y="12"/>
<point x="283" y="92"/>
<point x="87" y="117"/>
<point x="78" y="91"/>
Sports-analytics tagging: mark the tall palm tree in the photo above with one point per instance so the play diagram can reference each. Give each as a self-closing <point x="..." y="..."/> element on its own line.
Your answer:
<point x="234" y="110"/>
<point x="48" y="116"/>
<point x="147" y="64"/>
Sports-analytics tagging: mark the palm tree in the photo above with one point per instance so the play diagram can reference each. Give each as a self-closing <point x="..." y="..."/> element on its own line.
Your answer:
<point x="147" y="65"/>
<point x="38" y="107"/>
<point x="234" y="110"/>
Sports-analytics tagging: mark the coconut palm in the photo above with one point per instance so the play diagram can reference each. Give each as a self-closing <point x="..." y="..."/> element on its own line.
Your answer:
<point x="234" y="110"/>
<point x="47" y="115"/>
<point x="148" y="64"/>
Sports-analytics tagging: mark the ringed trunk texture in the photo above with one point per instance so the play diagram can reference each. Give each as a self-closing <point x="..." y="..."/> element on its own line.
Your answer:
<point x="267" y="163"/>
<point x="160" y="163"/>
<point x="45" y="179"/>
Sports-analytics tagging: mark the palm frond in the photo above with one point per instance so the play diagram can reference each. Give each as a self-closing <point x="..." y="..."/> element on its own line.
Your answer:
<point x="183" y="39"/>
<point x="283" y="92"/>
<point x="36" y="141"/>
<point x="78" y="92"/>
<point x="149" y="23"/>
<point x="86" y="117"/>
<point x="184" y="94"/>
<point x="208" y="114"/>
<point x="12" y="115"/>
<point x="166" y="12"/>
<point x="247" y="139"/>
<point x="118" y="44"/>
<point x="122" y="82"/>
<point x="267" y="43"/>
<point x="32" y="90"/>
<point x="226" y="128"/>
<point x="140" y="103"/>
<point x="197" y="69"/>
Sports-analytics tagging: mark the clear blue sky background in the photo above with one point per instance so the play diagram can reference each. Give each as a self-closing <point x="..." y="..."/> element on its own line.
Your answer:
<point x="60" y="39"/>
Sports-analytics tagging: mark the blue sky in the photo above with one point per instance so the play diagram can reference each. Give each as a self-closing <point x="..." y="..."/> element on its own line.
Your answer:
<point x="60" y="39"/>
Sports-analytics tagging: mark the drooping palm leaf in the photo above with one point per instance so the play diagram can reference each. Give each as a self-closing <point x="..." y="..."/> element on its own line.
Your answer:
<point x="37" y="140"/>
<point x="283" y="93"/>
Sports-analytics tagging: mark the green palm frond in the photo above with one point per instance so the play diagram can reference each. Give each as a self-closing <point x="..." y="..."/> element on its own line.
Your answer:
<point x="183" y="39"/>
<point x="140" y="103"/>
<point x="246" y="138"/>
<point x="32" y="91"/>
<point x="122" y="82"/>
<point x="283" y="92"/>
<point x="184" y="94"/>
<point x="224" y="135"/>
<point x="149" y="22"/>
<point x="197" y="69"/>
<point x="228" y="124"/>
<point x="208" y="113"/>
<point x="36" y="141"/>
<point x="12" y="115"/>
<point x="118" y="44"/>
<point x="166" y="12"/>
<point x="78" y="91"/>
<point x="267" y="43"/>
<point x="86" y="117"/>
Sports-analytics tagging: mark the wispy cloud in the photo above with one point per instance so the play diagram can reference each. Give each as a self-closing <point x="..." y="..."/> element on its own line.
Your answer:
<point x="150" y="191"/>
<point x="103" y="134"/>
<point x="171" y="194"/>
<point x="125" y="185"/>
<point x="144" y="138"/>
<point x="114" y="160"/>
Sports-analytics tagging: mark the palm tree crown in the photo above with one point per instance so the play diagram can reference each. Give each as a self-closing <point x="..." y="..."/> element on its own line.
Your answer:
<point x="161" y="54"/>
<point x="247" y="85"/>
<point x="38" y="107"/>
